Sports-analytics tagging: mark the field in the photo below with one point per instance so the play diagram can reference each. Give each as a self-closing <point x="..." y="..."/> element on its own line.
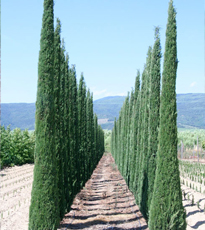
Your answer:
<point x="104" y="203"/>
<point x="16" y="184"/>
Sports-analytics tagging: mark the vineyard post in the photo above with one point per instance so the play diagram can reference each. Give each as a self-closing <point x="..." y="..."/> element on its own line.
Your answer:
<point x="193" y="152"/>
<point x="181" y="150"/>
<point x="198" y="148"/>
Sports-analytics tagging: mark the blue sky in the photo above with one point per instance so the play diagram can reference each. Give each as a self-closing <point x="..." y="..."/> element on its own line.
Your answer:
<point x="107" y="40"/>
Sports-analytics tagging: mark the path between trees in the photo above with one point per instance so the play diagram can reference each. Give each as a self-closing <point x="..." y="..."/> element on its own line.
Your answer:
<point x="105" y="202"/>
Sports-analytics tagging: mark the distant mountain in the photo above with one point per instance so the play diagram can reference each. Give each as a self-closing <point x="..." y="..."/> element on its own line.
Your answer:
<point x="21" y="115"/>
<point x="191" y="110"/>
<point x="108" y="108"/>
<point x="190" y="107"/>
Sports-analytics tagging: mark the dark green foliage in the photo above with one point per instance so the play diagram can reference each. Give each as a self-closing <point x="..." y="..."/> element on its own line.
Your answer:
<point x="129" y="136"/>
<point x="17" y="147"/>
<point x="134" y="132"/>
<point x="95" y="138"/>
<point x="67" y="159"/>
<point x="124" y="136"/>
<point x="153" y="122"/>
<point x="73" y="131"/>
<point x="166" y="211"/>
<point x="63" y="157"/>
<point x="90" y="133"/>
<point x="143" y="178"/>
<point x="58" y="117"/>
<point x="44" y="211"/>
<point x="82" y="128"/>
<point x="139" y="140"/>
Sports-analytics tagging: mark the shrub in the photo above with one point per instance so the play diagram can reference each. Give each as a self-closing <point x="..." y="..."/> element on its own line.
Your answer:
<point x="17" y="146"/>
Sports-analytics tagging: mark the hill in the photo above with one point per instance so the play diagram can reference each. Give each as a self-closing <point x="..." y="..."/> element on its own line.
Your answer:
<point x="191" y="110"/>
<point x="190" y="107"/>
<point x="21" y="115"/>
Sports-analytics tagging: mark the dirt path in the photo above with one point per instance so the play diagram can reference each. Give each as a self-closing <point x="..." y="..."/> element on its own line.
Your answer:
<point x="105" y="202"/>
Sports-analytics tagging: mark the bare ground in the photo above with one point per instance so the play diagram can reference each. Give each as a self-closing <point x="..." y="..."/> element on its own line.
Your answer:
<point x="104" y="203"/>
<point x="15" y="195"/>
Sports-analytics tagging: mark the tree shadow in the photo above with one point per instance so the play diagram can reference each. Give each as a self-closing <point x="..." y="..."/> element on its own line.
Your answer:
<point x="94" y="215"/>
<point x="194" y="212"/>
<point x="93" y="209"/>
<point x="199" y="223"/>
<point x="201" y="199"/>
<point x="188" y="205"/>
<point x="97" y="222"/>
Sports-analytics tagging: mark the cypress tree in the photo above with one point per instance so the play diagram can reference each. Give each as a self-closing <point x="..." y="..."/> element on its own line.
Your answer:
<point x="134" y="130"/>
<point x="44" y="211"/>
<point x="62" y="119"/>
<point x="82" y="128"/>
<point x="143" y="179"/>
<point x="73" y="128"/>
<point x="154" y="105"/>
<point x="166" y="211"/>
<point x="118" y="142"/>
<point x="124" y="135"/>
<point x="139" y="162"/>
<point x="88" y="135"/>
<point x="114" y="140"/>
<point x="129" y="134"/>
<point x="123" y="132"/>
<point x="95" y="140"/>
<point x="66" y="118"/>
<point x="137" y="86"/>
<point x="90" y="132"/>
<point x="59" y="157"/>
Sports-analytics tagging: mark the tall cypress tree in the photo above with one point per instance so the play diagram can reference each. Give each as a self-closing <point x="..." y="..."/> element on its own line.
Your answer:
<point x="129" y="134"/>
<point x="166" y="211"/>
<point x="73" y="128"/>
<point x="44" y="208"/>
<point x="143" y="179"/>
<point x="57" y="92"/>
<point x="118" y="141"/>
<point x="134" y="131"/>
<point x="88" y="135"/>
<point x="114" y="140"/>
<point x="82" y="128"/>
<point x="90" y="132"/>
<point x="95" y="140"/>
<point x="67" y="169"/>
<point x="124" y="131"/>
<point x="62" y="118"/>
<point x="140" y="140"/>
<point x="154" y="105"/>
